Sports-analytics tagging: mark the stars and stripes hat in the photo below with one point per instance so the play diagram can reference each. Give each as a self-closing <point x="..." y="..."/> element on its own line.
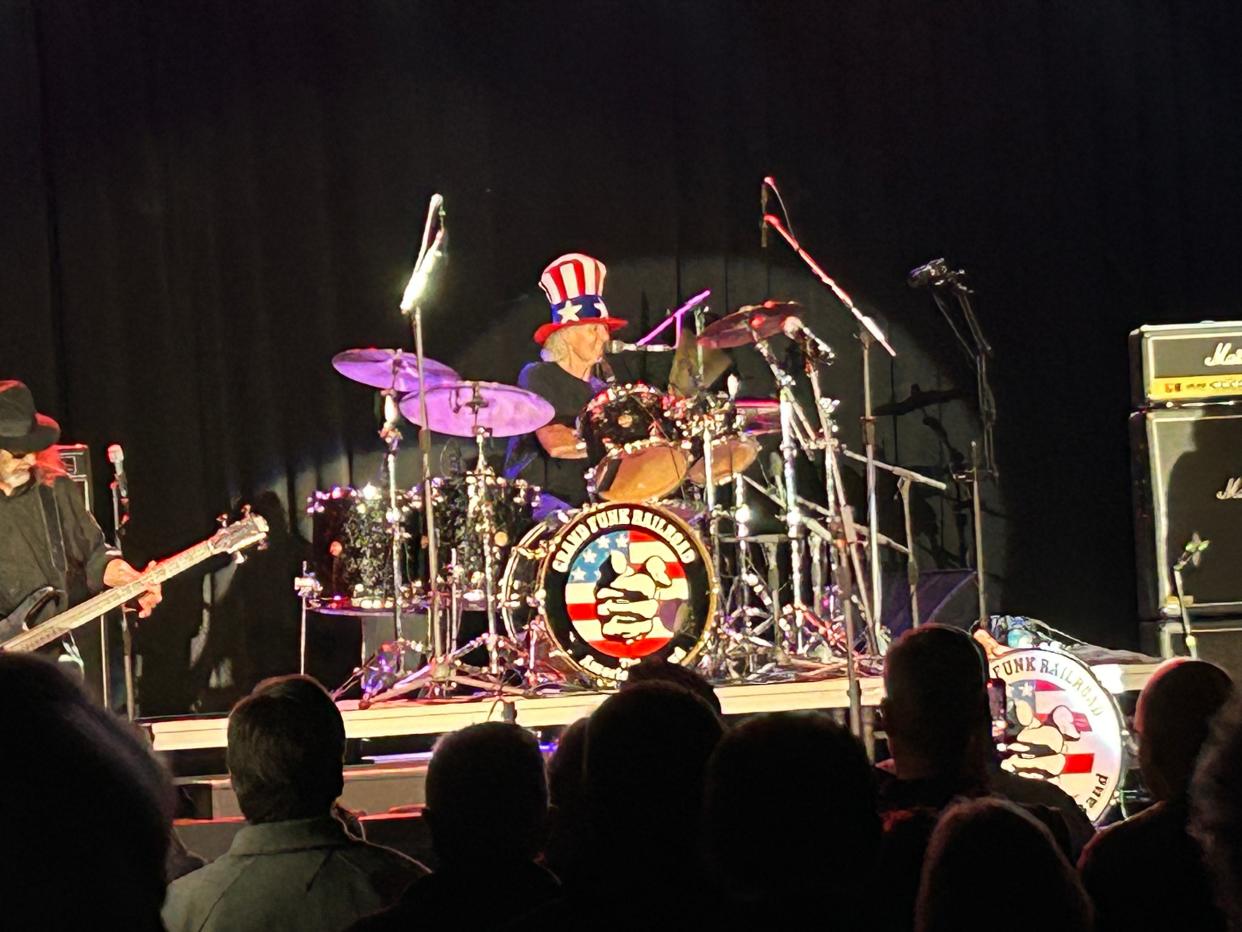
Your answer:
<point x="574" y="284"/>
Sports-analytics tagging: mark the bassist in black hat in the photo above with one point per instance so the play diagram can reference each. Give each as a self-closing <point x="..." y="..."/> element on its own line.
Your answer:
<point x="47" y="537"/>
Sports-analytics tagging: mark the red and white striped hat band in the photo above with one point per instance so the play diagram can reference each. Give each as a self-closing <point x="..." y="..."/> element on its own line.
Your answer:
<point x="574" y="286"/>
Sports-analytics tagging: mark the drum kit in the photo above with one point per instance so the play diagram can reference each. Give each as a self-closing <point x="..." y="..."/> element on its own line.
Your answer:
<point x="661" y="562"/>
<point x="656" y="565"/>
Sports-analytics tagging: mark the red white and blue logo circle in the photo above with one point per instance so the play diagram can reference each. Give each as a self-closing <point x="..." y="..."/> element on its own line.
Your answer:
<point x="628" y="581"/>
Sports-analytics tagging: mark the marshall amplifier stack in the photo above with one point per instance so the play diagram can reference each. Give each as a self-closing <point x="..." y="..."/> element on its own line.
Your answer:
<point x="1186" y="436"/>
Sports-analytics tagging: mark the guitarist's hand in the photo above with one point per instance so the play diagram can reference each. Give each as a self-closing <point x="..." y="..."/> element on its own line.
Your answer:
<point x="118" y="573"/>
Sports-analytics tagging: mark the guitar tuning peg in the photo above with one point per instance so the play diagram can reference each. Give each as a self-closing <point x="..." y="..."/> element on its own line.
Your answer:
<point x="239" y="558"/>
<point x="222" y="520"/>
<point x="245" y="510"/>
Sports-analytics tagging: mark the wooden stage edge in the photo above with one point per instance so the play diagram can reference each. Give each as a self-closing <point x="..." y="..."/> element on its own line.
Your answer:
<point x="402" y="717"/>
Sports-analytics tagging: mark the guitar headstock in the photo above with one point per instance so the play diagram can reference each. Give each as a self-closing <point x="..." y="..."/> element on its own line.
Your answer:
<point x="249" y="530"/>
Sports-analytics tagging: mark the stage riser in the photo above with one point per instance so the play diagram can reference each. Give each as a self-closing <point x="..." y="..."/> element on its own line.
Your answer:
<point x="373" y="790"/>
<point x="406" y="833"/>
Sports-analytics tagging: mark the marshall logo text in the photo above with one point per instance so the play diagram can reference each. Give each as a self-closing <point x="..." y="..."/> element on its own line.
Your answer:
<point x="1232" y="489"/>
<point x="1224" y="355"/>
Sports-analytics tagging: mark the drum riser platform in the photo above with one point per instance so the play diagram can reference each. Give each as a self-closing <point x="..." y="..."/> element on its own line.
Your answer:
<point x="401" y="718"/>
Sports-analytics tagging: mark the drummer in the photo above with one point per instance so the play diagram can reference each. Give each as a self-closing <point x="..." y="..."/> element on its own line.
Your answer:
<point x="569" y="375"/>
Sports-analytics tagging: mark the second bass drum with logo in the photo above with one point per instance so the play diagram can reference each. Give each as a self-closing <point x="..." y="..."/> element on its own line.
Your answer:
<point x="608" y="586"/>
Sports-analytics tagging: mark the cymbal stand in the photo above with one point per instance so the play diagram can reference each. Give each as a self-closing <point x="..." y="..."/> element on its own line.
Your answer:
<point x="391" y="435"/>
<point x="869" y="334"/>
<point x="709" y="487"/>
<point x="483" y="501"/>
<point x="787" y="634"/>
<point x="842" y="558"/>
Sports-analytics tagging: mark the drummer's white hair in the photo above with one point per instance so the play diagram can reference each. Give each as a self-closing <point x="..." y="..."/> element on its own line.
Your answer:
<point x="555" y="348"/>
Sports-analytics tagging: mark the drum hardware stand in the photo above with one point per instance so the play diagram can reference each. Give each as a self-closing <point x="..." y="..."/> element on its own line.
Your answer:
<point x="905" y="479"/>
<point x="442" y="669"/>
<point x="786" y="641"/>
<point x="391" y="435"/>
<point x="868" y="334"/>
<point x="305" y="587"/>
<point x="973" y="477"/>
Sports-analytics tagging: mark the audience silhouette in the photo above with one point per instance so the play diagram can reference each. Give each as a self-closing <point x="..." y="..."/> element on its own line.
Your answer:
<point x="566" y="846"/>
<point x="1154" y="850"/>
<point x="938" y="724"/>
<point x="991" y="865"/>
<point x="294" y="865"/>
<point x="1216" y="809"/>
<point x="86" y="809"/>
<point x="487" y="801"/>
<point x="650" y="813"/>
<point x="791" y="824"/>
<point x="646" y="752"/>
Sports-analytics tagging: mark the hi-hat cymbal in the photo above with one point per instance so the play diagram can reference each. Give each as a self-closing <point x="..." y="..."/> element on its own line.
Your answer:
<point x="749" y="324"/>
<point x="460" y="408"/>
<point x="388" y="368"/>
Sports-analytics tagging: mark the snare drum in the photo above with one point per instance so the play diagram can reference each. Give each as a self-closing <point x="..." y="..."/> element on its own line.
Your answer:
<point x="464" y="539"/>
<point x="611" y="584"/>
<point x="634" y="442"/>
<point x="351" y="550"/>
<point x="732" y="450"/>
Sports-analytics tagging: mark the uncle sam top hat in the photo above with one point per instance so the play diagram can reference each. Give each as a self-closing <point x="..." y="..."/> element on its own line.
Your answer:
<point x="574" y="284"/>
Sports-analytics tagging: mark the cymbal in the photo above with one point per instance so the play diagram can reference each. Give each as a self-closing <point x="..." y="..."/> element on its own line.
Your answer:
<point x="683" y="376"/>
<point x="387" y="368"/>
<point x="749" y="324"/>
<point x="458" y="408"/>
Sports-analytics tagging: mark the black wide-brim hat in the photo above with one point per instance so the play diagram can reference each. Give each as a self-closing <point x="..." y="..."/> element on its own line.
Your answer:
<point x="23" y="429"/>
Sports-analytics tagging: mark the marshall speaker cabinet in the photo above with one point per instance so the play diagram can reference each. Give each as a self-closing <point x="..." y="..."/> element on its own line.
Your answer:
<point x="1186" y="437"/>
<point x="1188" y="472"/>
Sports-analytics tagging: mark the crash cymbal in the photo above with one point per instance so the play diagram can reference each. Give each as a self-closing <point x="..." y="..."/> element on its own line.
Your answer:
<point x="683" y="376"/>
<point x="388" y="368"/>
<point x="458" y="408"/>
<point x="749" y="324"/>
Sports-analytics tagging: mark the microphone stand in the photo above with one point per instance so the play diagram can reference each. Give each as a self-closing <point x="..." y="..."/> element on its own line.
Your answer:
<point x="674" y="318"/>
<point x="868" y="334"/>
<point x="412" y="305"/>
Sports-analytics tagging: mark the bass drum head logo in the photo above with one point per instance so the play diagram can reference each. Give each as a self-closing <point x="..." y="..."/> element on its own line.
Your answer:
<point x="1063" y="726"/>
<point x="626" y="582"/>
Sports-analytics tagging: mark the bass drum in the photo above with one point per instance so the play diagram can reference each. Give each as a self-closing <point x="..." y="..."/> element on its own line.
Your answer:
<point x="1061" y="726"/>
<point x="608" y="586"/>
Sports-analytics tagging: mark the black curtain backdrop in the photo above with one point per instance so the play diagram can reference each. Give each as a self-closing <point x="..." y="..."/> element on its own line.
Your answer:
<point x="205" y="200"/>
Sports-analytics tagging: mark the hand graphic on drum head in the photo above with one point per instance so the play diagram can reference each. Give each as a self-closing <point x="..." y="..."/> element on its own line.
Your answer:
<point x="628" y="605"/>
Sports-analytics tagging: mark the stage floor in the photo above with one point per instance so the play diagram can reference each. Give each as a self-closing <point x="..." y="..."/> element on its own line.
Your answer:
<point x="433" y="717"/>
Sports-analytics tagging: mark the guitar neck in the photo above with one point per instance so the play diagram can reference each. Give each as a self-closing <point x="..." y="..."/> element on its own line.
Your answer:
<point x="109" y="599"/>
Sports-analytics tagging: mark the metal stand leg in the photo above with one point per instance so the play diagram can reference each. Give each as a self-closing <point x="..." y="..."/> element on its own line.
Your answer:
<point x="912" y="560"/>
<point x="127" y="661"/>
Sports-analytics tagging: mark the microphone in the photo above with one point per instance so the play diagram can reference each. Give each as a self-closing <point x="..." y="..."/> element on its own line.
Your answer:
<point x="763" y="214"/>
<point x="417" y="284"/>
<point x="116" y="456"/>
<point x="812" y="345"/>
<point x="929" y="273"/>
<point x="618" y="346"/>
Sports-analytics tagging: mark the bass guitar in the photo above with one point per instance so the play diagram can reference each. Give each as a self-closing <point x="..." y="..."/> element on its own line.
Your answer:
<point x="16" y="634"/>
